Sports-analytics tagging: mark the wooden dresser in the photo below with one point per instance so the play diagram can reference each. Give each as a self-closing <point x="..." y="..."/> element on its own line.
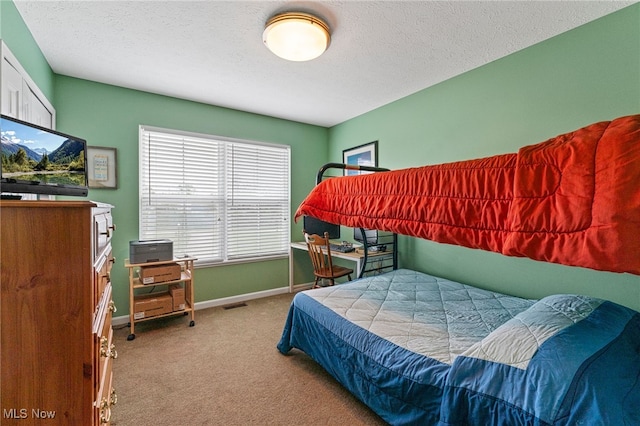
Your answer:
<point x="55" y="308"/>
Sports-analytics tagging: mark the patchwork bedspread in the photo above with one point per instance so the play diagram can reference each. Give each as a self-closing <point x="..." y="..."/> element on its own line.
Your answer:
<point x="573" y="199"/>
<point x="424" y="350"/>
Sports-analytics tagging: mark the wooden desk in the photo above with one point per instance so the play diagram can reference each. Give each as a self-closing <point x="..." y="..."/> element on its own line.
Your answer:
<point x="353" y="256"/>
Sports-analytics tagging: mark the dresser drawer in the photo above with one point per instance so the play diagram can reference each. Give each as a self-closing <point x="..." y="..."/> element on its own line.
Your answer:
<point x="102" y="271"/>
<point x="104" y="349"/>
<point x="107" y="398"/>
<point x="103" y="231"/>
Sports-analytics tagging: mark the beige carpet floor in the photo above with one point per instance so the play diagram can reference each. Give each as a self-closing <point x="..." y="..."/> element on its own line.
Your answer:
<point x="225" y="371"/>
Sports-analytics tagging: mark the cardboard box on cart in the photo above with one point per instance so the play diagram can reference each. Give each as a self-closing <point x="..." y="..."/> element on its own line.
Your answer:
<point x="152" y="304"/>
<point x="159" y="273"/>
<point x="177" y="295"/>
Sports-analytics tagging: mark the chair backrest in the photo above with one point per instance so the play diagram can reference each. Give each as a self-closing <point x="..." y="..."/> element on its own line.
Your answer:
<point x="321" y="259"/>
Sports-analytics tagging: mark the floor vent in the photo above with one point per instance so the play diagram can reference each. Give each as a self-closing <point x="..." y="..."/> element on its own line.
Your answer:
<point x="235" y="305"/>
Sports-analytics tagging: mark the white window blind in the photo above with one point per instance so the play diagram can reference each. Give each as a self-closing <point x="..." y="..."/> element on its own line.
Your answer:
<point x="217" y="199"/>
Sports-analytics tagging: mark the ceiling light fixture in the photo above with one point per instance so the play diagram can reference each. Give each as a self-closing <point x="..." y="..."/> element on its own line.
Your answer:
<point x="296" y="36"/>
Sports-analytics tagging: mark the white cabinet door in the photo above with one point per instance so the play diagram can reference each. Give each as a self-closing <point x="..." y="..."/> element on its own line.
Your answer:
<point x="35" y="111"/>
<point x="11" y="90"/>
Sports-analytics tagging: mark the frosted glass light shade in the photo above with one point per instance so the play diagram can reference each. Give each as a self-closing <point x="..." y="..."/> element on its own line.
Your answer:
<point x="296" y="36"/>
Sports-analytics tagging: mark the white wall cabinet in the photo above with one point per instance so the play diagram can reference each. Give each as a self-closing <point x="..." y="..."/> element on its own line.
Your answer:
<point x="21" y="97"/>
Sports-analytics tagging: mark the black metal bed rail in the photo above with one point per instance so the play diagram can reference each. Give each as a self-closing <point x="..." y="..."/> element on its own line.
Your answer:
<point x="365" y="246"/>
<point x="343" y="166"/>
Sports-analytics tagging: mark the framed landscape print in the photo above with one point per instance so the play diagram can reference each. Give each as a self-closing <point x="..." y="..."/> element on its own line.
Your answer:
<point x="363" y="155"/>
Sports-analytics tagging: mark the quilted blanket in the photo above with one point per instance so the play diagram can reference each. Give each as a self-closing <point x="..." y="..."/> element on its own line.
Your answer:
<point x="419" y="349"/>
<point x="573" y="200"/>
<point x="390" y="339"/>
<point x="567" y="360"/>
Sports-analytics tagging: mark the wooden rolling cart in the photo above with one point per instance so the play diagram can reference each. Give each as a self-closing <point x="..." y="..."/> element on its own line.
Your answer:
<point x="135" y="282"/>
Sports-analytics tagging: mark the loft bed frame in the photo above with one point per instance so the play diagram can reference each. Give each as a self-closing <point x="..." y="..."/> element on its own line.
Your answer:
<point x="420" y="349"/>
<point x="386" y="241"/>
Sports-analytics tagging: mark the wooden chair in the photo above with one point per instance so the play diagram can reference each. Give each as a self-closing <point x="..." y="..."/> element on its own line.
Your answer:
<point x="320" y="253"/>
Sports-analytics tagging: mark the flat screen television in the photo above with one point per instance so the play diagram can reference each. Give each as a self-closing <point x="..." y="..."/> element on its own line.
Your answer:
<point x="38" y="160"/>
<point x="312" y="225"/>
<point x="370" y="235"/>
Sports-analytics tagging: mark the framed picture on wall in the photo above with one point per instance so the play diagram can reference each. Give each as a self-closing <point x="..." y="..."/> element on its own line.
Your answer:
<point x="362" y="155"/>
<point x="102" y="167"/>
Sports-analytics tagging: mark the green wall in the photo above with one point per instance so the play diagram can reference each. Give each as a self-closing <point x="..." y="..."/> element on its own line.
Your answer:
<point x="109" y="116"/>
<point x="19" y="40"/>
<point x="589" y="74"/>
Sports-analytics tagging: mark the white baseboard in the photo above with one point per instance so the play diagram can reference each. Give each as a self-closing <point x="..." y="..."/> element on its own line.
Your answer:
<point x="240" y="298"/>
<point x="124" y="319"/>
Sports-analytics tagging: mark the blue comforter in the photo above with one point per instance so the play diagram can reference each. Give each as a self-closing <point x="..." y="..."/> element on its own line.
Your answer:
<point x="495" y="359"/>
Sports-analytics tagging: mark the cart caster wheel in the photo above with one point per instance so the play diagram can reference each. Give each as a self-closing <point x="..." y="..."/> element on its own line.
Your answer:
<point x="192" y="323"/>
<point x="131" y="337"/>
<point x="185" y="314"/>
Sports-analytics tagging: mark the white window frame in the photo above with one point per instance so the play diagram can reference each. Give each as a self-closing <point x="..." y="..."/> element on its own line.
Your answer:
<point x="215" y="232"/>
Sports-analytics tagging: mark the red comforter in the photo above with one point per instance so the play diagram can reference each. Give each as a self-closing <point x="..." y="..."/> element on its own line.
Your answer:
<point x="574" y="200"/>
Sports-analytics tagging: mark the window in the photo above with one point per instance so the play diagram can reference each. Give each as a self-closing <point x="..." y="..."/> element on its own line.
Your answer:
<point x="217" y="199"/>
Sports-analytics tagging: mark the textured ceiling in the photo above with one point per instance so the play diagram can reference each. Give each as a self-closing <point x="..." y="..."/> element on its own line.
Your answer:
<point x="212" y="51"/>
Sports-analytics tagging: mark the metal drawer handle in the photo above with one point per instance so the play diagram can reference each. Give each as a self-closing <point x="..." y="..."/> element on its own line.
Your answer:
<point x="104" y="350"/>
<point x="107" y="351"/>
<point x="113" y="354"/>
<point x="105" y="411"/>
